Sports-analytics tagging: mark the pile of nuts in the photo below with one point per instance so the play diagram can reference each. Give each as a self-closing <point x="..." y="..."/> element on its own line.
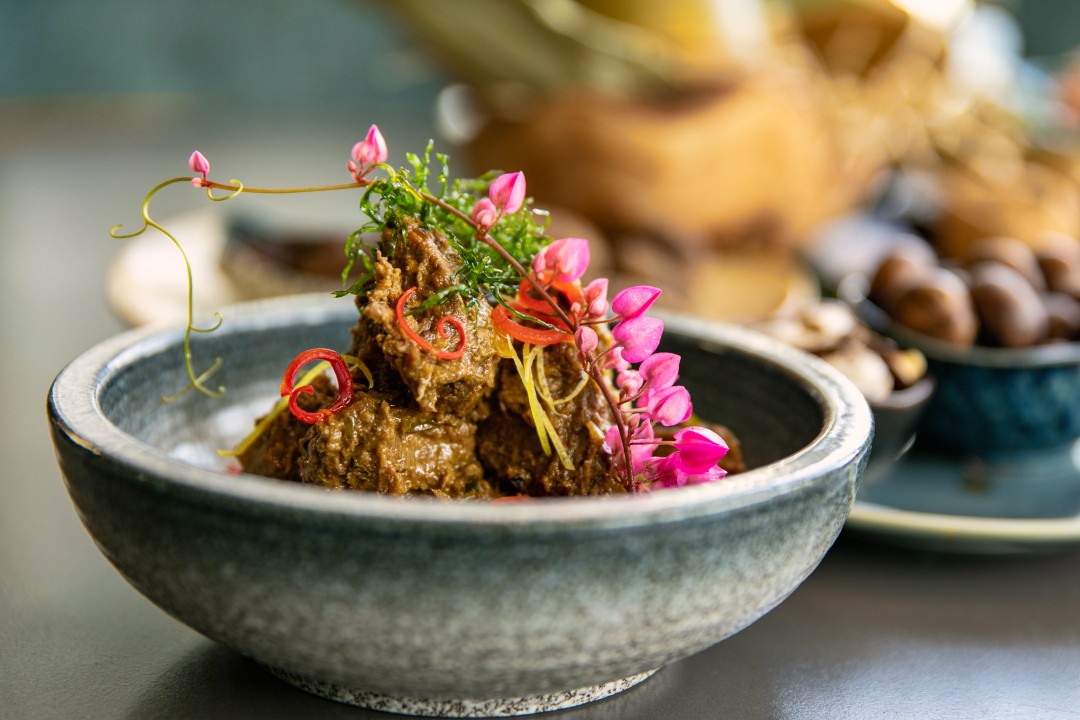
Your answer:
<point x="830" y="330"/>
<point x="1003" y="293"/>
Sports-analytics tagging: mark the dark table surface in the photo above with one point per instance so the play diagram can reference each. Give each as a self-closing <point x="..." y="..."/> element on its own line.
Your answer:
<point x="875" y="632"/>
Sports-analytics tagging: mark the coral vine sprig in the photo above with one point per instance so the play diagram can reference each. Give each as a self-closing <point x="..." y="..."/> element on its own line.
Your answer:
<point x="539" y="301"/>
<point x="648" y="395"/>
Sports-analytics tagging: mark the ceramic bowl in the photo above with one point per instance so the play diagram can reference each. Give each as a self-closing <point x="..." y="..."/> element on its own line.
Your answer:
<point x="437" y="607"/>
<point x="988" y="401"/>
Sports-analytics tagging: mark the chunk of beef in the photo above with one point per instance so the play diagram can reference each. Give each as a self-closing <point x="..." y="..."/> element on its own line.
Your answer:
<point x="412" y="256"/>
<point x="509" y="447"/>
<point x="372" y="445"/>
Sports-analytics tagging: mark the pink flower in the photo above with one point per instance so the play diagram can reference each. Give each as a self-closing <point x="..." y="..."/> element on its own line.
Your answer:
<point x="614" y="360"/>
<point x="198" y="164"/>
<point x="564" y="259"/>
<point x="634" y="301"/>
<point x="629" y="381"/>
<point x="660" y="370"/>
<point x="508" y="192"/>
<point x="698" y="449"/>
<point x="669" y="406"/>
<point x="596" y="298"/>
<point x="485" y="214"/>
<point x="642" y="445"/>
<point x="667" y="472"/>
<point x="712" y="474"/>
<point x="368" y="152"/>
<point x="638" y="337"/>
<point x="586" y="339"/>
<point x="664" y="472"/>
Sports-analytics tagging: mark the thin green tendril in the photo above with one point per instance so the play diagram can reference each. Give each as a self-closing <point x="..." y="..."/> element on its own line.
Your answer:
<point x="195" y="381"/>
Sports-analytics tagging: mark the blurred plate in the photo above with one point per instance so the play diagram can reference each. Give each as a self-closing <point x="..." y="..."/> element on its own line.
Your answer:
<point x="1022" y="502"/>
<point x="232" y="259"/>
<point x="147" y="282"/>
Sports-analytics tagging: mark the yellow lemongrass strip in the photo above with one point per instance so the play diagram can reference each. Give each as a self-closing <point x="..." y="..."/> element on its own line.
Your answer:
<point x="537" y="412"/>
<point x="557" y="443"/>
<point x="545" y="391"/>
<point x="278" y="408"/>
<point x="357" y="363"/>
<point x="504" y="345"/>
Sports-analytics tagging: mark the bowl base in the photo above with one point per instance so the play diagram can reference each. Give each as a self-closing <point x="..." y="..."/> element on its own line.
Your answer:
<point x="459" y="707"/>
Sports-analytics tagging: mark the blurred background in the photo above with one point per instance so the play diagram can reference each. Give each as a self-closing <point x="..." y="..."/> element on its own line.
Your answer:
<point x="743" y="154"/>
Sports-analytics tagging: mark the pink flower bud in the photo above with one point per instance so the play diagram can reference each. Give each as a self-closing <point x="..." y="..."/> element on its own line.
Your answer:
<point x="540" y="262"/>
<point x="634" y="301"/>
<point x="586" y="339"/>
<point x="613" y="441"/>
<point x="699" y="449"/>
<point x="199" y="164"/>
<point x="485" y="214"/>
<point x="371" y="150"/>
<point x="660" y="370"/>
<point x="508" y="192"/>
<point x="670" y="406"/>
<point x="638" y="337"/>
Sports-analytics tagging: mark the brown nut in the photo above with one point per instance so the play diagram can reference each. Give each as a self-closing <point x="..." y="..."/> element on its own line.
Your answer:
<point x="895" y="276"/>
<point x="939" y="306"/>
<point x="1008" y="251"/>
<point x="1063" y="312"/>
<point x="1011" y="312"/>
<point x="1060" y="265"/>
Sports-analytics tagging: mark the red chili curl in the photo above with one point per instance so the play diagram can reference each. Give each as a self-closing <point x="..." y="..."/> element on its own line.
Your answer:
<point x="440" y="328"/>
<point x="341" y="371"/>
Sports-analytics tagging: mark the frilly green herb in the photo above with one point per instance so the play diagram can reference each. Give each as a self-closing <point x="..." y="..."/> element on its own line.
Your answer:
<point x="406" y="194"/>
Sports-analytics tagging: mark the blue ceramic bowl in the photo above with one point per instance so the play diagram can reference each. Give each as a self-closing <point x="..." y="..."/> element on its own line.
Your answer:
<point x="988" y="401"/>
<point x="449" y="608"/>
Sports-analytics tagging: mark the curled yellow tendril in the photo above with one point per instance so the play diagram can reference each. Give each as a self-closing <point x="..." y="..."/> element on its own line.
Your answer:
<point x="239" y="188"/>
<point x="196" y="381"/>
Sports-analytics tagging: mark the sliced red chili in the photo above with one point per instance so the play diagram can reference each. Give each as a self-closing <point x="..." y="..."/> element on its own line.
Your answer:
<point x="341" y="372"/>
<point x="440" y="328"/>
<point x="500" y="318"/>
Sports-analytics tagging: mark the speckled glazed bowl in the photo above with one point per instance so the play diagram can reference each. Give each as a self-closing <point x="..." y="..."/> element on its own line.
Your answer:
<point x="988" y="401"/>
<point x="449" y="608"/>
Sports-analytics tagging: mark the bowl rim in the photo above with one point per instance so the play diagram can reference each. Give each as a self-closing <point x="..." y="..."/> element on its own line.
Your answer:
<point x="75" y="411"/>
<point x="852" y="290"/>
